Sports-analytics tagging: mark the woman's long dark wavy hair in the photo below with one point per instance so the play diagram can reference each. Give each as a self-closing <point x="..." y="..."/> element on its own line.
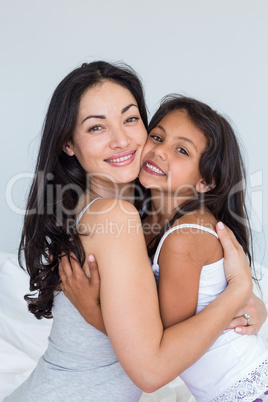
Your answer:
<point x="221" y="164"/>
<point x="49" y="228"/>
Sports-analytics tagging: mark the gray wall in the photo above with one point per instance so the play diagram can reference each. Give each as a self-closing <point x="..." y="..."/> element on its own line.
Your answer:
<point x="213" y="50"/>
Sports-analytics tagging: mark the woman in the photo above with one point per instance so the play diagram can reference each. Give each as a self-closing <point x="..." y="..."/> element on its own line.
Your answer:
<point x="95" y="130"/>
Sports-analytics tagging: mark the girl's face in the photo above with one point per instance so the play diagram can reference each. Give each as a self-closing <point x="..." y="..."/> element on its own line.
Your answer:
<point x="109" y="135"/>
<point x="170" y="158"/>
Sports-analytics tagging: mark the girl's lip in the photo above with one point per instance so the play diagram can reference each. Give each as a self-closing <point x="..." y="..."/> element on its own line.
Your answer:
<point x="127" y="157"/>
<point x="146" y="166"/>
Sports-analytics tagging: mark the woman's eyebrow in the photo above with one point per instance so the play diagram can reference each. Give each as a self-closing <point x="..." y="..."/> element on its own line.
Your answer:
<point x="94" y="117"/>
<point x="125" y="109"/>
<point x="102" y="116"/>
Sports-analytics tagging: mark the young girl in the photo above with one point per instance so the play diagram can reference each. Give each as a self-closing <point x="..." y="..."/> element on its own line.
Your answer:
<point x="193" y="168"/>
<point x="89" y="157"/>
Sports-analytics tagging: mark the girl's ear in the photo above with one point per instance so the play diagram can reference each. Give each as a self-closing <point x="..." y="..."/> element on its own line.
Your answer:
<point x="203" y="187"/>
<point x="68" y="149"/>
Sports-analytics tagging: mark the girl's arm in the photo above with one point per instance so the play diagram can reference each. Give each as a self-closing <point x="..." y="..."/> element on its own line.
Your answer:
<point x="83" y="291"/>
<point x="151" y="356"/>
<point x="183" y="254"/>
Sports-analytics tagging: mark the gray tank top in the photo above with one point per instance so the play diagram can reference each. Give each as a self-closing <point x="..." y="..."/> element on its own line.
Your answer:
<point x="78" y="365"/>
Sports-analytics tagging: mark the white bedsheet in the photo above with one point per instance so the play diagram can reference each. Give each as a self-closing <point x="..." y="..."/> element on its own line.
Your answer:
<point x="23" y="338"/>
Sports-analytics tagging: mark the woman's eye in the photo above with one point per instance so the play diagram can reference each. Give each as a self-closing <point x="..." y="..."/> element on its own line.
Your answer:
<point x="132" y="119"/>
<point x="95" y="128"/>
<point x="182" y="151"/>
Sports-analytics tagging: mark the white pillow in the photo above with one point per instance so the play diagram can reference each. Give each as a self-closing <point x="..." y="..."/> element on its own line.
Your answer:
<point x="18" y="326"/>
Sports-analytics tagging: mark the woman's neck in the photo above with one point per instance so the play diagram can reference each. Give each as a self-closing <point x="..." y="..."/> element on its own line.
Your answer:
<point x="105" y="189"/>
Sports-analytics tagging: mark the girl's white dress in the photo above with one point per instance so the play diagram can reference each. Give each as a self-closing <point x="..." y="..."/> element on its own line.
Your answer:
<point x="235" y="368"/>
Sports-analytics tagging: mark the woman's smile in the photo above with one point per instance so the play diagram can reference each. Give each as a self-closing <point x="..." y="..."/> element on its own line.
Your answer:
<point x="121" y="159"/>
<point x="109" y="134"/>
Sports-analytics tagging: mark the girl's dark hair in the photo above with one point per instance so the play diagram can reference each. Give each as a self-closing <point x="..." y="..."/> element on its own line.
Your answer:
<point x="49" y="224"/>
<point x="221" y="164"/>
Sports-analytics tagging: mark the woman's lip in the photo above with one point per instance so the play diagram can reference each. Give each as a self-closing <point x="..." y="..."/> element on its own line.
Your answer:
<point x="127" y="158"/>
<point x="120" y="155"/>
<point x="149" y="167"/>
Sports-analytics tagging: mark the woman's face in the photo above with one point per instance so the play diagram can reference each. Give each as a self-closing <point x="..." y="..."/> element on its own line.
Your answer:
<point x="109" y="134"/>
<point x="170" y="158"/>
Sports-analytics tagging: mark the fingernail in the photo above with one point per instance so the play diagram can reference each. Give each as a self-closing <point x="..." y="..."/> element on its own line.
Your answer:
<point x="238" y="329"/>
<point x="220" y="225"/>
<point x="91" y="258"/>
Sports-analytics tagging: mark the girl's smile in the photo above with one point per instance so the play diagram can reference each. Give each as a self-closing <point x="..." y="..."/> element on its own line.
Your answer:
<point x="170" y="158"/>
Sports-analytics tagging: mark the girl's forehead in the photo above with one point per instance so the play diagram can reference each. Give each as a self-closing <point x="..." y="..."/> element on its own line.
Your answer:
<point x="177" y="124"/>
<point x="177" y="121"/>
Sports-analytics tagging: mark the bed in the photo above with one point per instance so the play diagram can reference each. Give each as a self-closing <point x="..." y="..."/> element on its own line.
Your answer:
<point x="23" y="338"/>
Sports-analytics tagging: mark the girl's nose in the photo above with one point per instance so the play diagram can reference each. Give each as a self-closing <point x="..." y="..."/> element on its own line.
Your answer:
<point x="160" y="151"/>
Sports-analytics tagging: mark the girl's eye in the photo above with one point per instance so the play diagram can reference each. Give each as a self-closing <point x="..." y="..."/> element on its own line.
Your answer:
<point x="132" y="119"/>
<point x="156" y="138"/>
<point x="182" y="151"/>
<point x="95" y="128"/>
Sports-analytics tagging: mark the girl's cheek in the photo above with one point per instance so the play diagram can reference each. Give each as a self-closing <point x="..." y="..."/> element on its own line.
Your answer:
<point x="146" y="149"/>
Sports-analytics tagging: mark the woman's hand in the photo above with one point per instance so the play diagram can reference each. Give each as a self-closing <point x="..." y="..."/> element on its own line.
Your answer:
<point x="82" y="289"/>
<point x="257" y="312"/>
<point x="237" y="270"/>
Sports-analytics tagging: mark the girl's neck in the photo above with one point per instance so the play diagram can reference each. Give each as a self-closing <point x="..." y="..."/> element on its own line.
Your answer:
<point x="163" y="206"/>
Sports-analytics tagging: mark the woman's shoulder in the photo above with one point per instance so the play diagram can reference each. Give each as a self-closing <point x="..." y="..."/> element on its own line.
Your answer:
<point x="105" y="215"/>
<point x="112" y="208"/>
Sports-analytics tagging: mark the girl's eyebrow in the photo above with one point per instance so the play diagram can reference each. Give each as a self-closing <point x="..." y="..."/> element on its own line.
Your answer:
<point x="179" y="137"/>
<point x="187" y="140"/>
<point x="102" y="116"/>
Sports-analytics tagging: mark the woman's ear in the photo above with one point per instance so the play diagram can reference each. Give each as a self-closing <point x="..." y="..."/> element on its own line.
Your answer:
<point x="203" y="187"/>
<point x="68" y="149"/>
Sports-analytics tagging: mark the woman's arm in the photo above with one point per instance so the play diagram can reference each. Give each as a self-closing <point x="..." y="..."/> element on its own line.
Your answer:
<point x="258" y="315"/>
<point x="254" y="306"/>
<point x="149" y="355"/>
<point x="84" y="294"/>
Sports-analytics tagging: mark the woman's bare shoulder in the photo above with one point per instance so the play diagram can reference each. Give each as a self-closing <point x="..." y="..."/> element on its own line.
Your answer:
<point x="113" y="206"/>
<point x="109" y="208"/>
<point x="109" y="217"/>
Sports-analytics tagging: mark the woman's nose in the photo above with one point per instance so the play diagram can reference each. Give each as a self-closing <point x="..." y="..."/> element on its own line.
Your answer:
<point x="120" y="139"/>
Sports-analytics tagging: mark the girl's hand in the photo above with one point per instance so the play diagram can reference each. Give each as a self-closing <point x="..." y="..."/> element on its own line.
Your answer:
<point x="256" y="310"/>
<point x="82" y="289"/>
<point x="237" y="270"/>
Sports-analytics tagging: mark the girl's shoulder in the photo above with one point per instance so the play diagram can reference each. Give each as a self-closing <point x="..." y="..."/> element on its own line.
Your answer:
<point x="188" y="236"/>
<point x="202" y="218"/>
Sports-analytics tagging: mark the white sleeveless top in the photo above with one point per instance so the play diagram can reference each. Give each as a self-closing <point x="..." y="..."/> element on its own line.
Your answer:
<point x="236" y="366"/>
